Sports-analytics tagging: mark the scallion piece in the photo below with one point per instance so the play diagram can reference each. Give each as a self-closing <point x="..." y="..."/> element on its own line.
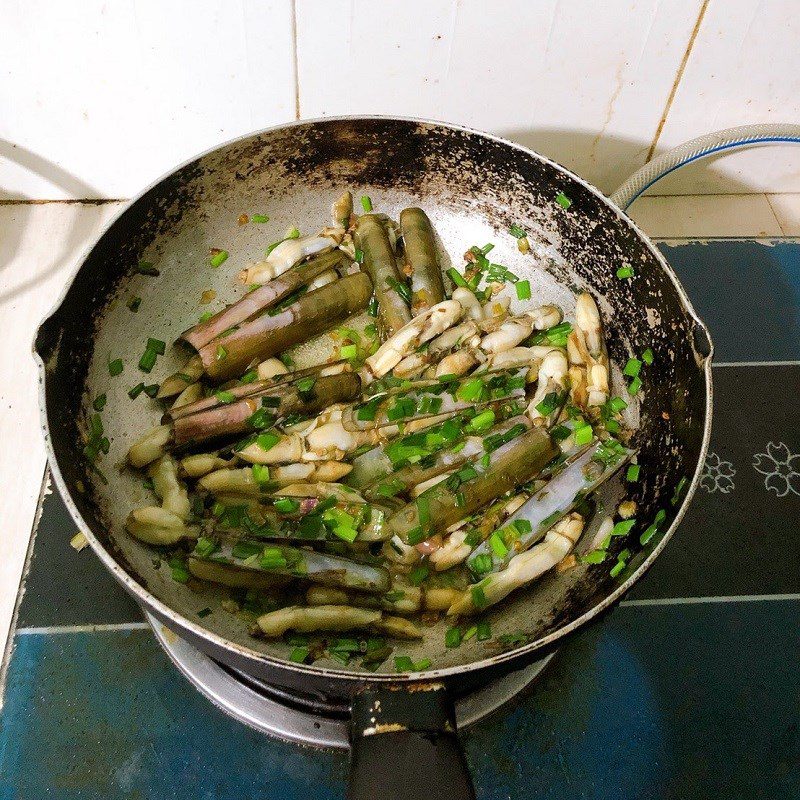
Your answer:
<point x="115" y="367"/>
<point x="225" y="397"/>
<point x="634" y="386"/>
<point x="481" y="564"/>
<point x="647" y="356"/>
<point x="632" y="367"/>
<point x="272" y="558"/>
<point x="457" y="278"/>
<point x="151" y="390"/>
<point x="219" y="258"/>
<point x="147" y="268"/>
<point x="623" y="273"/>
<point x="259" y="218"/>
<point x="523" y="290"/>
<point x="299" y="655"/>
<point x="516" y="231"/>
<point x="563" y="200"/>
<point x="260" y="473"/>
<point x="348" y="351"/>
<point x="632" y="475"/>
<point x="484" y="630"/>
<point x="623" y="528"/>
<point x="157" y="346"/>
<point x="478" y="597"/>
<point x="617" y="404"/>
<point x="134" y="303"/>
<point x="482" y="422"/>
<point x="366" y="204"/>
<point x="205" y="317"/>
<point x="148" y="360"/>
<point x="452" y="638"/>
<point x="418" y="575"/>
<point x="99" y="402"/>
<point x="221" y="352"/>
<point x="135" y="391"/>
<point x="583" y="435"/>
<point x="286" y="505"/>
<point x="498" y="545"/>
<point x="266" y="441"/>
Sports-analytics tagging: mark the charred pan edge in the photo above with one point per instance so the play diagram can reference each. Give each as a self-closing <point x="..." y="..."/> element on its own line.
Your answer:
<point x="198" y="632"/>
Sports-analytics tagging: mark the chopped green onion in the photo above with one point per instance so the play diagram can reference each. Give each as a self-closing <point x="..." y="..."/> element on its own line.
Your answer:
<point x="299" y="655"/>
<point x="266" y="441"/>
<point x="272" y="558"/>
<point x="617" y="404"/>
<point x="260" y="473"/>
<point x="135" y="391"/>
<point x="617" y="568"/>
<point x="457" y="278"/>
<point x="242" y="550"/>
<point x="401" y="288"/>
<point x="157" y="346"/>
<point x="583" y="435"/>
<point x="146" y="268"/>
<point x="115" y="367"/>
<point x="259" y="218"/>
<point x="549" y="404"/>
<point x="678" y="490"/>
<point x="623" y="273"/>
<point x="359" y="257"/>
<point x="594" y="557"/>
<point x="647" y="356"/>
<point x="478" y="597"/>
<point x="648" y="533"/>
<point x="366" y="204"/>
<point x="99" y="402"/>
<point x="481" y="564"/>
<point x="484" y="630"/>
<point x="293" y="233"/>
<point x="452" y="638"/>
<point x="563" y="200"/>
<point x="225" y="397"/>
<point x="372" y="307"/>
<point x="204" y="612"/>
<point x="471" y="390"/>
<point x="205" y="547"/>
<point x="348" y="351"/>
<point x="148" y="360"/>
<point x="523" y="290"/>
<point x="623" y="528"/>
<point x="632" y="475"/>
<point x="249" y="377"/>
<point x="634" y="385"/>
<point x="151" y="390"/>
<point x="134" y="303"/>
<point x="260" y="419"/>
<point x="418" y="575"/>
<point x="219" y="258"/>
<point x="469" y="633"/>
<point x="221" y="352"/>
<point x="516" y="231"/>
<point x="498" y="545"/>
<point x="205" y="317"/>
<point x="286" y="505"/>
<point x="482" y="421"/>
<point x="632" y="367"/>
<point x="403" y="664"/>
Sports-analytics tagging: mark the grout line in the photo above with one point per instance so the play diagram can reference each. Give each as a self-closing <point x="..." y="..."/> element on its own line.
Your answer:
<point x="687" y="601"/>
<point x="755" y="363"/>
<point x="102" y="628"/>
<point x="679" y="75"/>
<point x="775" y="216"/>
<point x="295" y="67"/>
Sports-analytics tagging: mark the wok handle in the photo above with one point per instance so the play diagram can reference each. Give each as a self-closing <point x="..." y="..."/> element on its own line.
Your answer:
<point x="405" y="746"/>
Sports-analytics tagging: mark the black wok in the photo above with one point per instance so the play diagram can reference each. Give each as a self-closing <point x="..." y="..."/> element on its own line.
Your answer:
<point x="473" y="186"/>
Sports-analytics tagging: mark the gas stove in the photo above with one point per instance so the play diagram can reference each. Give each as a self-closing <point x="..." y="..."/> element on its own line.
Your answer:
<point x="688" y="689"/>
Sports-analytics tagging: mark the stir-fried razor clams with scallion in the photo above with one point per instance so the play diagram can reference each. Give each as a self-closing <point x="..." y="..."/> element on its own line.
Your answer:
<point x="444" y="457"/>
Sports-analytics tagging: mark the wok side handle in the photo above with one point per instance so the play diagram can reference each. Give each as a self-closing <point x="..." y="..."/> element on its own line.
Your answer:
<point x="405" y="746"/>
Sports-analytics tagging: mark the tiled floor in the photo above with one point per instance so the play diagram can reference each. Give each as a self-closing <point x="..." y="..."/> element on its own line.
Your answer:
<point x="41" y="244"/>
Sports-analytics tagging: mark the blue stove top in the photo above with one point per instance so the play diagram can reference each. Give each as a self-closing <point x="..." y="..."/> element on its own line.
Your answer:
<point x="689" y="689"/>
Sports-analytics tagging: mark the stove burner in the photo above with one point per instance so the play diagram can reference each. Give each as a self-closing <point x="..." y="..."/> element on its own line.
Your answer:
<point x="305" y="719"/>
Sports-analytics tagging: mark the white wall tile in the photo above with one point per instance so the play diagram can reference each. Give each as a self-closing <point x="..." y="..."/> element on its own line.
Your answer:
<point x="744" y="68"/>
<point x="583" y="84"/>
<point x="100" y="98"/>
<point x="39" y="247"/>
<point x="706" y="216"/>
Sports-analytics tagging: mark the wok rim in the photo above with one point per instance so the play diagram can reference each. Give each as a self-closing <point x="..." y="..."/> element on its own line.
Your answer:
<point x="525" y="652"/>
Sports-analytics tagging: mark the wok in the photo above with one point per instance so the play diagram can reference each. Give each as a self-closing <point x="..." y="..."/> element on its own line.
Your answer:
<point x="473" y="186"/>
